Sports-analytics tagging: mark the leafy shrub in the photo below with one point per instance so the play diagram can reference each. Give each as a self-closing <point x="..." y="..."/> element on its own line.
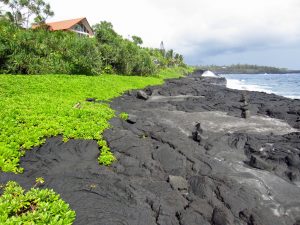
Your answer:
<point x="37" y="206"/>
<point x="125" y="56"/>
<point x="144" y="64"/>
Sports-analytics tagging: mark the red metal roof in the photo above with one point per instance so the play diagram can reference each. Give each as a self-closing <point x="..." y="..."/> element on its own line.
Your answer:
<point x="65" y="24"/>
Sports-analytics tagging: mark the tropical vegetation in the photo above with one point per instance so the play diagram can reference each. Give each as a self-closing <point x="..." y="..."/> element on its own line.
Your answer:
<point x="41" y="51"/>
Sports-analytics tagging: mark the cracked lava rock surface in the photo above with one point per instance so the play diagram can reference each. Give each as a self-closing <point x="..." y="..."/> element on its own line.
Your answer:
<point x="185" y="156"/>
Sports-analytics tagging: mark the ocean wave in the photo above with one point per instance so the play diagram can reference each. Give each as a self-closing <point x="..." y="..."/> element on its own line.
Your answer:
<point x="240" y="85"/>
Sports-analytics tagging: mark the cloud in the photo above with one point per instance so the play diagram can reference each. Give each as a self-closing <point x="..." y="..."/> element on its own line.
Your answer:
<point x="196" y="27"/>
<point x="214" y="27"/>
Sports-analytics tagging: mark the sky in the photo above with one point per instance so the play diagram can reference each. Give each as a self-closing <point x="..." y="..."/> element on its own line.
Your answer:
<point x="221" y="32"/>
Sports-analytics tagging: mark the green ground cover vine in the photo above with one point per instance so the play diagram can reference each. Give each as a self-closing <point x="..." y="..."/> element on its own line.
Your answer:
<point x="123" y="116"/>
<point x="37" y="206"/>
<point x="36" y="107"/>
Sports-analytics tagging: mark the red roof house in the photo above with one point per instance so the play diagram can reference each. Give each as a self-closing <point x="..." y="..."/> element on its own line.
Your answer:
<point x="80" y="26"/>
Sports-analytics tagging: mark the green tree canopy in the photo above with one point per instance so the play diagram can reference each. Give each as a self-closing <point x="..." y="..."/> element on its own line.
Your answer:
<point x="105" y="33"/>
<point x="137" y="40"/>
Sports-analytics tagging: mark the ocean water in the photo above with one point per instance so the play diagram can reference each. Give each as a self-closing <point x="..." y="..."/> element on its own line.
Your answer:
<point x="287" y="85"/>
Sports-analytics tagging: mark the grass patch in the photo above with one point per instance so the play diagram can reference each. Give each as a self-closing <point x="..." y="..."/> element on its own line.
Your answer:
<point x="36" y="107"/>
<point x="34" y="207"/>
<point x="176" y="72"/>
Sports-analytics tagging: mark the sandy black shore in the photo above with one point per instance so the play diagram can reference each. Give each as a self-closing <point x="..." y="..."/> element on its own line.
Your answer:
<point x="170" y="171"/>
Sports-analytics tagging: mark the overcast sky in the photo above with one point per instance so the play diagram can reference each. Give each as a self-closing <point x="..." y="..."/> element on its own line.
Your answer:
<point x="264" y="32"/>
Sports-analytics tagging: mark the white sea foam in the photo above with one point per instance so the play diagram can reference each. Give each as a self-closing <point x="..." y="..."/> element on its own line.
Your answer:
<point x="209" y="74"/>
<point x="240" y="85"/>
<point x="293" y="96"/>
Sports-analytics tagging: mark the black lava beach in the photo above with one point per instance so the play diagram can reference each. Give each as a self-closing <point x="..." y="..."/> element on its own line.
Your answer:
<point x="192" y="152"/>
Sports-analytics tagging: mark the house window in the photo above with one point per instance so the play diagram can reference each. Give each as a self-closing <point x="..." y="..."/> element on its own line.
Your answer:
<point x="80" y="28"/>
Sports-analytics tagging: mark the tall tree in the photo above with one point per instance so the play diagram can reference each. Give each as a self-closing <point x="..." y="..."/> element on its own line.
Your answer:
<point x="178" y="59"/>
<point x="21" y="11"/>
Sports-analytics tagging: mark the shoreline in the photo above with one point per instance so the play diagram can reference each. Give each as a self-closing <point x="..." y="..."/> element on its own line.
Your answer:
<point x="233" y="171"/>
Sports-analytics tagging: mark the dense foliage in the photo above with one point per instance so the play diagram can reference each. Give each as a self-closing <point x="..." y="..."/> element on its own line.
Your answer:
<point x="40" y="51"/>
<point x="43" y="52"/>
<point x="36" y="107"/>
<point x="121" y="55"/>
<point x="37" y="206"/>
